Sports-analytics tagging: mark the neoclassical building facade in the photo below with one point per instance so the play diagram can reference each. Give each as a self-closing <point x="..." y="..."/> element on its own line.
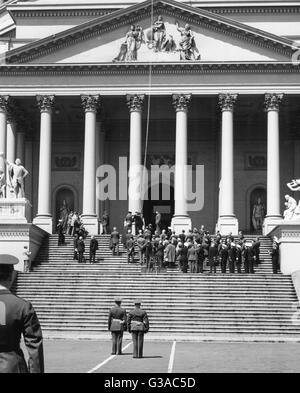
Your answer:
<point x="200" y="83"/>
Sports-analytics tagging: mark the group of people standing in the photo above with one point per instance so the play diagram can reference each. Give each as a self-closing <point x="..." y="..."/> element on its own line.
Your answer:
<point x="195" y="250"/>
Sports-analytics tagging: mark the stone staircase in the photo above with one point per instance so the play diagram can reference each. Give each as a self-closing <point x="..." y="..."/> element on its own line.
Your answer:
<point x="73" y="299"/>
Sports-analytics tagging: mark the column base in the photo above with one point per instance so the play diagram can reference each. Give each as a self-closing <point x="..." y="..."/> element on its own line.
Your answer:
<point x="270" y="223"/>
<point x="180" y="223"/>
<point x="227" y="225"/>
<point x="90" y="224"/>
<point x="44" y="222"/>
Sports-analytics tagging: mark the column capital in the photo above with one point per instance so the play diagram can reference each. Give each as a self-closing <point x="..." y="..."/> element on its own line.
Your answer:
<point x="45" y="103"/>
<point x="4" y="103"/>
<point x="135" y="102"/>
<point x="181" y="102"/>
<point x="90" y="103"/>
<point x="227" y="101"/>
<point x="273" y="101"/>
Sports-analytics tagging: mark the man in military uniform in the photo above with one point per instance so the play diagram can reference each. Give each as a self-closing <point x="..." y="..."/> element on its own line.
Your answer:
<point x="17" y="318"/>
<point x="117" y="325"/>
<point x="138" y="325"/>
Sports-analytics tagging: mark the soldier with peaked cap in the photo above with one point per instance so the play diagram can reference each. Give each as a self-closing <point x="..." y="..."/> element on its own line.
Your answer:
<point x="117" y="325"/>
<point x="17" y="318"/>
<point x="138" y="325"/>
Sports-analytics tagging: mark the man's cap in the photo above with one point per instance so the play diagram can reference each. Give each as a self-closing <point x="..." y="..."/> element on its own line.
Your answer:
<point x="8" y="259"/>
<point x="118" y="299"/>
<point x="137" y="301"/>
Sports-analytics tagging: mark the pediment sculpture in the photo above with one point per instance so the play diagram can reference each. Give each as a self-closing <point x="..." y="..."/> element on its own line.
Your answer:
<point x="158" y="39"/>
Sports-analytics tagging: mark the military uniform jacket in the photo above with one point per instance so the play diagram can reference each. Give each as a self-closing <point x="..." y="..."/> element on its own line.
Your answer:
<point x="138" y="315"/>
<point x="17" y="318"/>
<point x="117" y="312"/>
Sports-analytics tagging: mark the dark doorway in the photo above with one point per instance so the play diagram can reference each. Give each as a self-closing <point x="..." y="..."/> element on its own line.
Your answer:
<point x="165" y="207"/>
<point x="258" y="209"/>
<point x="64" y="203"/>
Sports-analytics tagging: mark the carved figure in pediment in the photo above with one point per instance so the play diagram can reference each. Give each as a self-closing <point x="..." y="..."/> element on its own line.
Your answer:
<point x="169" y="44"/>
<point x="187" y="46"/>
<point x="134" y="40"/>
<point x="157" y="35"/>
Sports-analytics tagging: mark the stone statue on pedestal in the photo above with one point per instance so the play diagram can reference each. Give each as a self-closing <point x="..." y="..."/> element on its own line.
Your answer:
<point x="17" y="174"/>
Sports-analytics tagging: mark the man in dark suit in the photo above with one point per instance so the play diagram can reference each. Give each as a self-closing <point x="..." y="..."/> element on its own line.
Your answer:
<point x="117" y="325"/>
<point x="275" y="257"/>
<point x="94" y="246"/>
<point x="60" y="232"/>
<point x="81" y="249"/>
<point x="75" y="242"/>
<point x="17" y="318"/>
<point x="256" y="251"/>
<point x="114" y="241"/>
<point x="138" y="325"/>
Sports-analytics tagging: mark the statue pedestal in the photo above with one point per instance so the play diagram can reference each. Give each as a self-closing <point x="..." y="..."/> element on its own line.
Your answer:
<point x="14" y="211"/>
<point x="288" y="234"/>
<point x="180" y="223"/>
<point x="13" y="238"/>
<point x="227" y="225"/>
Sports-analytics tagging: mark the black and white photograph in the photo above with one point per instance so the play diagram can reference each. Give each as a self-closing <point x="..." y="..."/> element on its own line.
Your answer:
<point x="149" y="189"/>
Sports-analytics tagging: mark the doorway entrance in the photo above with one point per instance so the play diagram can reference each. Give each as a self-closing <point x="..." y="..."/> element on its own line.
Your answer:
<point x="64" y="203"/>
<point x="160" y="204"/>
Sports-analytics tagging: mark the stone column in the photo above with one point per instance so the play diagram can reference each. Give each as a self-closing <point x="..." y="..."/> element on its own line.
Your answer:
<point x="4" y="100"/>
<point x="100" y="153"/>
<point x="89" y="217"/>
<point x="273" y="217"/>
<point x="20" y="148"/>
<point x="11" y="138"/>
<point x="227" y="222"/>
<point x="44" y="214"/>
<point x="28" y="181"/>
<point x="181" y="219"/>
<point x="135" y="105"/>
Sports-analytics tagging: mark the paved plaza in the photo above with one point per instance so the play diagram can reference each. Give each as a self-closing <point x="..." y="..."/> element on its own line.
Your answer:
<point x="89" y="356"/>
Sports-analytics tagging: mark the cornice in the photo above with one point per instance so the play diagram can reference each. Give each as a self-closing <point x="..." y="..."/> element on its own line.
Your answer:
<point x="139" y="68"/>
<point x="134" y="14"/>
<point x="61" y="13"/>
<point x="255" y="10"/>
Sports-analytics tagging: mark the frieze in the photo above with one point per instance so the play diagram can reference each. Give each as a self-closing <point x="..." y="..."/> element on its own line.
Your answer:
<point x="175" y="68"/>
<point x="12" y="234"/>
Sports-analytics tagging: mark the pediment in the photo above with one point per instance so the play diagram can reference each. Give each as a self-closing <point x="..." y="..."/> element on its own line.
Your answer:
<point x="111" y="38"/>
